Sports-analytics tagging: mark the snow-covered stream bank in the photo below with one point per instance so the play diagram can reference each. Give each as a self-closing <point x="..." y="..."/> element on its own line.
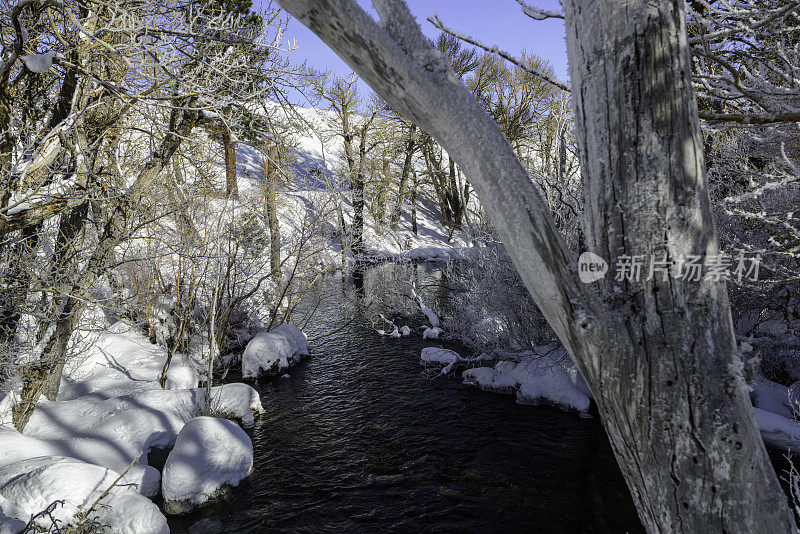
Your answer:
<point x="356" y="439"/>
<point x="84" y="457"/>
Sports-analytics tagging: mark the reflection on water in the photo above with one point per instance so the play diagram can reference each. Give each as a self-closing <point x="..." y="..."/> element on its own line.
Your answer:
<point x="357" y="440"/>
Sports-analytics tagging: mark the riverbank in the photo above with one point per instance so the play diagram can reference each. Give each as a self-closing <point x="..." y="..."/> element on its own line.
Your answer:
<point x="89" y="456"/>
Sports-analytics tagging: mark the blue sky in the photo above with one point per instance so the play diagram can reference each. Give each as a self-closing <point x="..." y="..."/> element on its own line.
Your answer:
<point x="494" y="22"/>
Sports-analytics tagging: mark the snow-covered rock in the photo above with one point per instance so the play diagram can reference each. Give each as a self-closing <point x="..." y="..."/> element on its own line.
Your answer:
<point x="778" y="431"/>
<point x="33" y="484"/>
<point x="432" y="332"/>
<point x="771" y="397"/>
<point x="497" y="380"/>
<point x="405" y="331"/>
<point x="295" y="336"/>
<point x="267" y="353"/>
<point x="181" y="377"/>
<point x="543" y="376"/>
<point x="209" y="455"/>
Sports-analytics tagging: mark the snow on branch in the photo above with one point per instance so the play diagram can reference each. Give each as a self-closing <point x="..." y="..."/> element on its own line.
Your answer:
<point x="745" y="60"/>
<point x="436" y="21"/>
<point x="539" y="14"/>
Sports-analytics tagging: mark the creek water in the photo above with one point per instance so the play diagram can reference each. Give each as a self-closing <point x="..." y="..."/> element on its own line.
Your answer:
<point x="358" y="439"/>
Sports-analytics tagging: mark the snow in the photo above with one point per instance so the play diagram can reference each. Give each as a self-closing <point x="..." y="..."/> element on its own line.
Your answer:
<point x="545" y="375"/>
<point x="295" y="336"/>
<point x="110" y="410"/>
<point x="432" y="317"/>
<point x="405" y="331"/>
<point x="9" y="512"/>
<point x="320" y="165"/>
<point x="439" y="355"/>
<point x="773" y="405"/>
<point x="181" y="377"/>
<point x="267" y="353"/>
<point x="447" y="358"/>
<point x="209" y="454"/>
<point x="778" y="431"/>
<point x="771" y="397"/>
<point x="39" y="63"/>
<point x="32" y="485"/>
<point x="141" y="421"/>
<point x="432" y="333"/>
<point x="17" y="447"/>
<point x="119" y="361"/>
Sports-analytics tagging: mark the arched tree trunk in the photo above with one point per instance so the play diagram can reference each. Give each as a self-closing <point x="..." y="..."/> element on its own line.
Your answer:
<point x="660" y="357"/>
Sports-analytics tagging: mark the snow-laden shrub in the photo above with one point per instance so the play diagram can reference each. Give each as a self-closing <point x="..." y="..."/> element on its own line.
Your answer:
<point x="490" y="307"/>
<point x="753" y="178"/>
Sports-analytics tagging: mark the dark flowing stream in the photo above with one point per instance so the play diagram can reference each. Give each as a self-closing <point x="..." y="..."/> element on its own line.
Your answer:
<point x="358" y="440"/>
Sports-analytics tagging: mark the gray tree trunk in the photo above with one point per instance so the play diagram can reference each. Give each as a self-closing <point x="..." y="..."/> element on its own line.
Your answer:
<point x="699" y="463"/>
<point x="660" y="358"/>
<point x="271" y="178"/>
<point x="229" y="150"/>
<point x="397" y="213"/>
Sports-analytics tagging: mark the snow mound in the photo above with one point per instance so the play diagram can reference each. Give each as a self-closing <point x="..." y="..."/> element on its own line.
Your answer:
<point x="267" y="353"/>
<point x="33" y="484"/>
<point x="181" y="377"/>
<point x="209" y="454"/>
<point x="771" y="397"/>
<point x="497" y="380"/>
<point x="121" y="361"/>
<point x="405" y="331"/>
<point x="17" y="447"/>
<point x="295" y="337"/>
<point x="142" y="421"/>
<point x="778" y="431"/>
<point x="543" y="376"/>
<point x="432" y="333"/>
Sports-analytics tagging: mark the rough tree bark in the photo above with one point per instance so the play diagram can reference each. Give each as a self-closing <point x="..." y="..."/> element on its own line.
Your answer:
<point x="271" y="178"/>
<point x="414" y="186"/>
<point x="229" y="149"/>
<point x="660" y="358"/>
<point x="411" y="144"/>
